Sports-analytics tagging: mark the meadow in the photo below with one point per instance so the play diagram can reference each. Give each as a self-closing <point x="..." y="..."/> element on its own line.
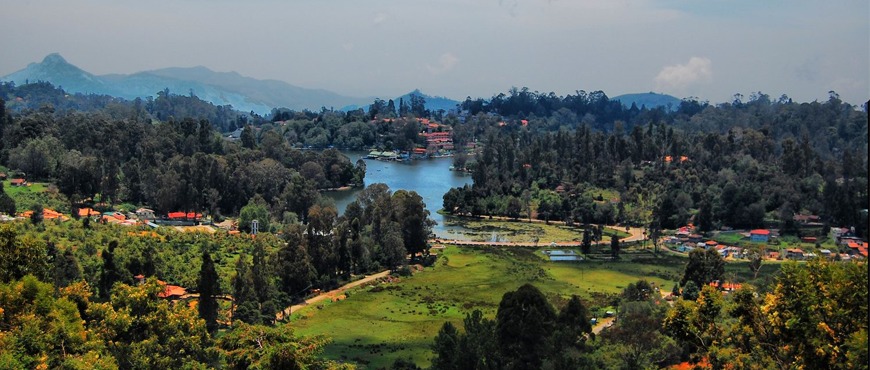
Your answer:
<point x="36" y="193"/>
<point x="485" y="229"/>
<point x="376" y="325"/>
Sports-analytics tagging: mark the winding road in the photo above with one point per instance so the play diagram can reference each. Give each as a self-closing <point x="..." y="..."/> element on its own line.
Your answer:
<point x="332" y="293"/>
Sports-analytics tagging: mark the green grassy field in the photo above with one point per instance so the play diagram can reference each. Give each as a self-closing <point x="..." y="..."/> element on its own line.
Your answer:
<point x="376" y="325"/>
<point x="484" y="229"/>
<point x="27" y="196"/>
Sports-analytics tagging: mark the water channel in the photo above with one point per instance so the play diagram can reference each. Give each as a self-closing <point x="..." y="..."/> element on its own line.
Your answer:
<point x="430" y="178"/>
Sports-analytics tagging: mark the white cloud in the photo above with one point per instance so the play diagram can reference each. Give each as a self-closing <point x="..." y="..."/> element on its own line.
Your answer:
<point x="380" y="18"/>
<point x="681" y="76"/>
<point x="445" y="63"/>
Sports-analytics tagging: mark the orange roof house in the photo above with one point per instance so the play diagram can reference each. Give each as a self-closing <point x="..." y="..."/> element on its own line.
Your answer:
<point x="858" y="248"/>
<point x="725" y="286"/>
<point x="171" y="291"/>
<point x="47" y="214"/>
<point x="87" y="212"/>
<point x="184" y="216"/>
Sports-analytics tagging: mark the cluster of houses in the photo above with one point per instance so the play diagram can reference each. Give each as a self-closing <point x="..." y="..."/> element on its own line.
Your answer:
<point x="439" y="143"/>
<point x="686" y="240"/>
<point x="142" y="216"/>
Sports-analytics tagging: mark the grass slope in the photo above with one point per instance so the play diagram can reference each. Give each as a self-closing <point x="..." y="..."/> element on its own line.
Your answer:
<point x="376" y="325"/>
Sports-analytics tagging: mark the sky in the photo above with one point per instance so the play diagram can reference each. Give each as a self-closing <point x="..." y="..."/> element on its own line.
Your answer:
<point x="708" y="49"/>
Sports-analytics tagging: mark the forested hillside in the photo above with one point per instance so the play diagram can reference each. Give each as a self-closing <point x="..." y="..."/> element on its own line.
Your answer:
<point x="739" y="164"/>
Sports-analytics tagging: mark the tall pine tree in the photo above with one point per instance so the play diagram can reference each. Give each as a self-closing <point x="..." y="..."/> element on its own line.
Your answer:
<point x="208" y="288"/>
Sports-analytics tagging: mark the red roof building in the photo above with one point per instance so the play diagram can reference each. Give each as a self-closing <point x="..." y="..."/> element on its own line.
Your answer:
<point x="725" y="286"/>
<point x="87" y="212"/>
<point x="171" y="291"/>
<point x="759" y="235"/>
<point x="184" y="216"/>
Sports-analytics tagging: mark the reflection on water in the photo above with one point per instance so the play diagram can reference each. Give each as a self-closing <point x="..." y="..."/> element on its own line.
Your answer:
<point x="430" y="178"/>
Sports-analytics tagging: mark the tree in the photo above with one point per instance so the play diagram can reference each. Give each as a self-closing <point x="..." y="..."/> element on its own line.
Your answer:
<point x="413" y="217"/>
<point x="256" y="209"/>
<point x="135" y="322"/>
<point x="209" y="288"/>
<point x="247" y="308"/>
<point x="704" y="266"/>
<point x="573" y="325"/>
<point x="636" y="339"/>
<point x="524" y="322"/>
<point x="264" y="287"/>
<point x="614" y="246"/>
<point x="247" y="138"/>
<point x="690" y="291"/>
<point x="586" y="245"/>
<point x="38" y="157"/>
<point x="393" y="248"/>
<point x="43" y="329"/>
<point x="110" y="273"/>
<point x="820" y="328"/>
<point x="754" y="262"/>
<point x="446" y="348"/>
<point x="37" y="213"/>
<point x="22" y="255"/>
<point x="263" y="347"/>
<point x="66" y="269"/>
<point x="641" y="291"/>
<point x="478" y="347"/>
<point x="293" y="265"/>
<point x="7" y="204"/>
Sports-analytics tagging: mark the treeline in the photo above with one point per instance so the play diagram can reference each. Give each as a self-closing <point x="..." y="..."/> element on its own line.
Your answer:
<point x="33" y="96"/>
<point x="720" y="166"/>
<point x="814" y="316"/>
<point x="177" y="165"/>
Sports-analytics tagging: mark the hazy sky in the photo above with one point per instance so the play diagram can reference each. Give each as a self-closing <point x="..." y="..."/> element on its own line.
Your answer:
<point x="710" y="49"/>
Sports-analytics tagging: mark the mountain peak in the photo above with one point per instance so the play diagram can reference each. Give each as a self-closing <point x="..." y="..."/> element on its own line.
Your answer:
<point x="54" y="58"/>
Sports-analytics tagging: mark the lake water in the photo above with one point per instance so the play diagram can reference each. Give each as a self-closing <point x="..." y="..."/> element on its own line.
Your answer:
<point x="430" y="178"/>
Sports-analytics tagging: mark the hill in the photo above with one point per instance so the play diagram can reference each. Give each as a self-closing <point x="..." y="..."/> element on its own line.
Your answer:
<point x="650" y="100"/>
<point x="220" y="88"/>
<point x="433" y="103"/>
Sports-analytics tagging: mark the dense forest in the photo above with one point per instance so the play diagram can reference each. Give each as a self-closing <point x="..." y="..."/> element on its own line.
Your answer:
<point x="172" y="165"/>
<point x="737" y="164"/>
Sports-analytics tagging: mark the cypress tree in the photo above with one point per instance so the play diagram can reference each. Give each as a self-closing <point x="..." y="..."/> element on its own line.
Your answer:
<point x="110" y="271"/>
<point x="208" y="288"/>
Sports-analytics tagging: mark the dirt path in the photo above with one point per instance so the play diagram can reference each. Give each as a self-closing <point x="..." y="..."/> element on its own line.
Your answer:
<point x="330" y="294"/>
<point x="603" y="323"/>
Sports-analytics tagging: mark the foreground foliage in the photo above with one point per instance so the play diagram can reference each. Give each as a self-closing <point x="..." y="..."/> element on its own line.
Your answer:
<point x="41" y="327"/>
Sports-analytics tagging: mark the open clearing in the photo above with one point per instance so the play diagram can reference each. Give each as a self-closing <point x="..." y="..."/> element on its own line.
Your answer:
<point x="375" y="325"/>
<point x="522" y="231"/>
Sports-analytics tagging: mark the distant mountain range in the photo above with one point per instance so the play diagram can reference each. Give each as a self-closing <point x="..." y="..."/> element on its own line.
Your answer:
<point x="230" y="88"/>
<point x="650" y="100"/>
<point x="220" y="88"/>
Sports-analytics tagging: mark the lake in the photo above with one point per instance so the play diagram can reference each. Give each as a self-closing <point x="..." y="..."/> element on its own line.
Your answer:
<point x="430" y="178"/>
